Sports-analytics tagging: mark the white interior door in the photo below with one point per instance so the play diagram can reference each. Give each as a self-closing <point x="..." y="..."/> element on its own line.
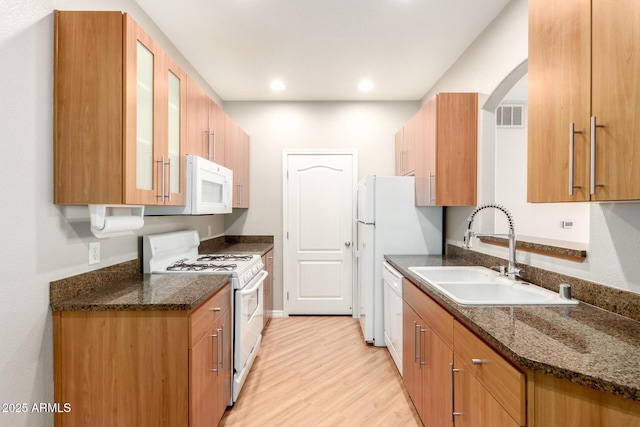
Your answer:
<point x="319" y="221"/>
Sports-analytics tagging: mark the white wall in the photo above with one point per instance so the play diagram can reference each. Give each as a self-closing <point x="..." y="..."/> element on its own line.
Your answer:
<point x="368" y="127"/>
<point x="614" y="231"/>
<point x="39" y="244"/>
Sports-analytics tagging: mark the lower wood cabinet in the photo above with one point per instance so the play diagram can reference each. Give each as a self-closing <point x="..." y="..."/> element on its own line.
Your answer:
<point x="412" y="373"/>
<point x="267" y="292"/>
<point x="445" y="387"/>
<point x="210" y="360"/>
<point x="144" y="368"/>
<point x="474" y="406"/>
<point x="455" y="379"/>
<point x="426" y="356"/>
<point x="556" y="402"/>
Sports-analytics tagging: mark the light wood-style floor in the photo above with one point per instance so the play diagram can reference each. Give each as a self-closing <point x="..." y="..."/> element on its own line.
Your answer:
<point x="317" y="371"/>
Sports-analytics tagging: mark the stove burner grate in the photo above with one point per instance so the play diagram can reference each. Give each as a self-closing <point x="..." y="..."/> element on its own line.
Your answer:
<point x="184" y="266"/>
<point x="225" y="257"/>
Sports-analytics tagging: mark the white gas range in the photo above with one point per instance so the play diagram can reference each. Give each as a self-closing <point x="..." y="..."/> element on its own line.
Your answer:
<point x="177" y="252"/>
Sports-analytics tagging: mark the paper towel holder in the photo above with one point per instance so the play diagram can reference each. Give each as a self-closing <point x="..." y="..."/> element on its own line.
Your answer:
<point x="130" y="217"/>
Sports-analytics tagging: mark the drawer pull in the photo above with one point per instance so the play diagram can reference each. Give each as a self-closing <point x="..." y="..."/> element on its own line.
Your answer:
<point x="477" y="361"/>
<point x="215" y="309"/>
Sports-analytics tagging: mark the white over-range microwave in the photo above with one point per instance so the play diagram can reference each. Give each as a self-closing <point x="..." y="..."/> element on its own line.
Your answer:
<point x="208" y="190"/>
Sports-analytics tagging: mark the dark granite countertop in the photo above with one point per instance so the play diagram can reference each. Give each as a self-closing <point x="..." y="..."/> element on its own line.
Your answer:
<point x="258" y="245"/>
<point x="183" y="291"/>
<point x="582" y="343"/>
<point x="123" y="287"/>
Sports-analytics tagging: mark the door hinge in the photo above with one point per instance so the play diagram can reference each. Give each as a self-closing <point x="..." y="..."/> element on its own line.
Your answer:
<point x="287" y="174"/>
<point x="287" y="295"/>
<point x="287" y="235"/>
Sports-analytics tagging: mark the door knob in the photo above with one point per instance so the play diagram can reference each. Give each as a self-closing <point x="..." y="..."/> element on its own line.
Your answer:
<point x="347" y="244"/>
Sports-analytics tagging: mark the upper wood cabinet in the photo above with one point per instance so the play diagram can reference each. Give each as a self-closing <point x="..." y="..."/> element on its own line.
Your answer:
<point x="446" y="150"/>
<point x="584" y="101"/>
<point x="405" y="148"/>
<point x="205" y="125"/>
<point x="217" y="152"/>
<point x="119" y="114"/>
<point x="237" y="159"/>
<point x="198" y="141"/>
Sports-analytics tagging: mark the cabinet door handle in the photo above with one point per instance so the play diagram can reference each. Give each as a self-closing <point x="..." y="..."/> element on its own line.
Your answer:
<point x="432" y="197"/>
<point x="572" y="133"/>
<point x="419" y="347"/>
<point x="212" y="146"/>
<point x="215" y="309"/>
<point x="451" y="371"/>
<point x="208" y="132"/>
<point x="594" y="125"/>
<point x="477" y="361"/>
<point x="415" y="341"/>
<point x="169" y="177"/>
<point x="221" y="360"/>
<point x="161" y="195"/>
<point x="217" y="352"/>
<point x="420" y="360"/>
<point x="163" y="186"/>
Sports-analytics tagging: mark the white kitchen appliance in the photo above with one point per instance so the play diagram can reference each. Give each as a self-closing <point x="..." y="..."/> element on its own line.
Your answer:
<point x="389" y="223"/>
<point x="208" y="190"/>
<point x="177" y="252"/>
<point x="393" y="312"/>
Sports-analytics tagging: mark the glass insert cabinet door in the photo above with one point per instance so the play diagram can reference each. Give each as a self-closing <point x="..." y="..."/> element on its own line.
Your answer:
<point x="174" y="130"/>
<point x="144" y="118"/>
<point x="155" y="128"/>
<point x="143" y="93"/>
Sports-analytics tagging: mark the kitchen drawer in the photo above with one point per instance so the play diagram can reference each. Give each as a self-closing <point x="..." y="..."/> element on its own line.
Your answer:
<point x="203" y="317"/>
<point x="505" y="382"/>
<point x="430" y="311"/>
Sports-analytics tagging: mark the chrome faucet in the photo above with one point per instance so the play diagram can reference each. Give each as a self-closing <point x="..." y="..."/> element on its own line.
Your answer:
<point x="512" y="271"/>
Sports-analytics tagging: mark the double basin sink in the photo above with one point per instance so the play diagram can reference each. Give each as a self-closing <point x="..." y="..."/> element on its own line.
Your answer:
<point x="483" y="286"/>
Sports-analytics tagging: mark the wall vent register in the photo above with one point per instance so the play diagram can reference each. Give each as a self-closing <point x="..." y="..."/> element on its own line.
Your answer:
<point x="510" y="116"/>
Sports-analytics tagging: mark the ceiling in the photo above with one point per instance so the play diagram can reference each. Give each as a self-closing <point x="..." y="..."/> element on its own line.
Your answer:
<point x="321" y="49"/>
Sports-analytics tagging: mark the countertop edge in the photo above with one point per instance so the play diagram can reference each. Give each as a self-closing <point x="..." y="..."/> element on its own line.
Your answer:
<point x="75" y="293"/>
<point x="522" y="362"/>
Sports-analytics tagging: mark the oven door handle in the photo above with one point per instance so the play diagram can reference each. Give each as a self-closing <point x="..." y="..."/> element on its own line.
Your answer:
<point x="258" y="281"/>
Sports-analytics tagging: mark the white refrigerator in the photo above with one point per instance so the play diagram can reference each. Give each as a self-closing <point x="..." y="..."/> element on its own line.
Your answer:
<point x="389" y="223"/>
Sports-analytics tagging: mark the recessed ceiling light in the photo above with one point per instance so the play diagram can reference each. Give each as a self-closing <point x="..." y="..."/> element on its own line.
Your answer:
<point x="277" y="85"/>
<point x="365" y="85"/>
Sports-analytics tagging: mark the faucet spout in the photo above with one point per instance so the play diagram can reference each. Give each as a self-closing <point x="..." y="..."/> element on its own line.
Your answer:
<point x="512" y="270"/>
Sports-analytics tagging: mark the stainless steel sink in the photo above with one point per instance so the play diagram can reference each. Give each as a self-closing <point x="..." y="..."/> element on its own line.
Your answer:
<point x="483" y="286"/>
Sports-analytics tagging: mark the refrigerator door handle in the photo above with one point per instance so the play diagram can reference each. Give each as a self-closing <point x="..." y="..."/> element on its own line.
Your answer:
<point x="364" y="222"/>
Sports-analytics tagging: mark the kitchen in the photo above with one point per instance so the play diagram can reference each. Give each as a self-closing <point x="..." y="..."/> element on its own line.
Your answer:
<point x="34" y="230"/>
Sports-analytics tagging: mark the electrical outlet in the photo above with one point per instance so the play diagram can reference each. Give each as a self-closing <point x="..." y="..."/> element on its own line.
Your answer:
<point x="567" y="224"/>
<point x="94" y="252"/>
